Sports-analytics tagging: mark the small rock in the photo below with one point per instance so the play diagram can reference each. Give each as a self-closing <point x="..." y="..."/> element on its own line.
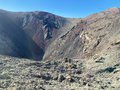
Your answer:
<point x="46" y="76"/>
<point x="78" y="71"/>
<point x="68" y="60"/>
<point x="40" y="88"/>
<point x="55" y="78"/>
<point x="84" y="83"/>
<point x="100" y="60"/>
<point x="104" y="87"/>
<point x="61" y="78"/>
<point x="71" y="79"/>
<point x="73" y="66"/>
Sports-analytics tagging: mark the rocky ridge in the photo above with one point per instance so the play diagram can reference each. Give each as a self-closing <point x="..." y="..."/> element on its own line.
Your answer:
<point x="79" y="54"/>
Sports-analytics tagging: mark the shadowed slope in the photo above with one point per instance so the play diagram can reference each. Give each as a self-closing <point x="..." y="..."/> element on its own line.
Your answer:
<point x="15" y="42"/>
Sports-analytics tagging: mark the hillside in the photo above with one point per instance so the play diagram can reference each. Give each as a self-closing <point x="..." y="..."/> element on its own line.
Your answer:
<point x="75" y="53"/>
<point x="28" y="34"/>
<point x="93" y="35"/>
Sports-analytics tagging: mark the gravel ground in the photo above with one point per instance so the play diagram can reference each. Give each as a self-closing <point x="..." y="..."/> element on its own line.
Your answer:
<point x="64" y="74"/>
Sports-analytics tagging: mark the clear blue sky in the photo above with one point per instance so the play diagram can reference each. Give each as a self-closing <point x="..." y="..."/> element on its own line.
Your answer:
<point x="66" y="8"/>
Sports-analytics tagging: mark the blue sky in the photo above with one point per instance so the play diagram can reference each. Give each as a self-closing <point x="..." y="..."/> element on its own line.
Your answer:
<point x="66" y="8"/>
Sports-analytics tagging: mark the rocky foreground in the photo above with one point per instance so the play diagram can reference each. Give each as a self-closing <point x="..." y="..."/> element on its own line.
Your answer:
<point x="64" y="74"/>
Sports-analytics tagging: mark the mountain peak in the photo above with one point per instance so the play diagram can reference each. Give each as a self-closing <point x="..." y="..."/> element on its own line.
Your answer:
<point x="114" y="10"/>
